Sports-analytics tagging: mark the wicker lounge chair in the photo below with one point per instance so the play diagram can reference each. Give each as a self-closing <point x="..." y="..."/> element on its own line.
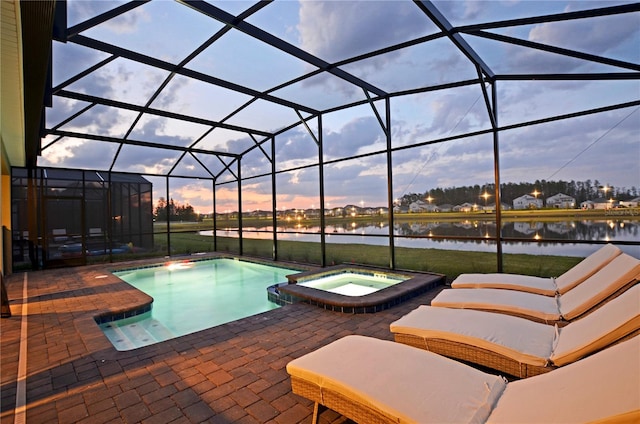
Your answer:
<point x="518" y="346"/>
<point x="613" y="279"/>
<point x="378" y="381"/>
<point x="539" y="285"/>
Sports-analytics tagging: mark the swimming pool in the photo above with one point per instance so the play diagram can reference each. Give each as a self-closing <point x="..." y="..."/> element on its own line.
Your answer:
<point x="190" y="296"/>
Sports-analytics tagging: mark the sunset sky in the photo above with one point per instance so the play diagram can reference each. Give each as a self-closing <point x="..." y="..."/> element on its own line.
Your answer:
<point x="603" y="147"/>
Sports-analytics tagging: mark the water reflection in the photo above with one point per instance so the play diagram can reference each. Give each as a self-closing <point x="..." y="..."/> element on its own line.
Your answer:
<point x="419" y="234"/>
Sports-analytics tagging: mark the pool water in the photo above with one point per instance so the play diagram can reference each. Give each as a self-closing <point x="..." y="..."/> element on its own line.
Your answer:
<point x="192" y="296"/>
<point x="351" y="283"/>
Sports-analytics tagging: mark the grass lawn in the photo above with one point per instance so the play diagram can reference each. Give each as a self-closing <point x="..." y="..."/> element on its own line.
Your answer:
<point x="448" y="262"/>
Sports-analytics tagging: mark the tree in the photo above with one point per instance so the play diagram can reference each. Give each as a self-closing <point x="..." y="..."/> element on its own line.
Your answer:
<point x="176" y="211"/>
<point x="160" y="212"/>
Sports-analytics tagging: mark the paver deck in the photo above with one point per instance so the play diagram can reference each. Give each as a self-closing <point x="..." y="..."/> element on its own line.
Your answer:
<point x="233" y="373"/>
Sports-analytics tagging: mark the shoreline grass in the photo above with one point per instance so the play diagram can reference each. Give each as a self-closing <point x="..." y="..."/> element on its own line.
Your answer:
<point x="448" y="262"/>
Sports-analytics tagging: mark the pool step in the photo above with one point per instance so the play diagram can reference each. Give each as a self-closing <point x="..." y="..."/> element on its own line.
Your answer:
<point x="135" y="333"/>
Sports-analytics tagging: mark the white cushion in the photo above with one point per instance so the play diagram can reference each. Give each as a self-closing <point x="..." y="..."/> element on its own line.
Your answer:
<point x="587" y="267"/>
<point x="605" y="386"/>
<point x="544" y="308"/>
<point x="605" y="325"/>
<point x="409" y="384"/>
<point x="541" y="285"/>
<point x="520" y="339"/>
<point x="595" y="289"/>
<point x="528" y="283"/>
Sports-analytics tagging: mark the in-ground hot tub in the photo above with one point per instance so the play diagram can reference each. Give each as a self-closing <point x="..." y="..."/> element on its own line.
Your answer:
<point x="354" y="289"/>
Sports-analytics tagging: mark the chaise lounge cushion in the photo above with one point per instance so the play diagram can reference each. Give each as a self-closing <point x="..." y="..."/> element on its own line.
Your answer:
<point x="523" y="340"/>
<point x="619" y="274"/>
<point x="526" y="283"/>
<point x="541" y="308"/>
<point x="411" y="385"/>
<point x="400" y="381"/>
<point x="594" y="290"/>
<point x="604" y="387"/>
<point x="587" y="267"/>
<point x="599" y="329"/>
<point x="540" y="285"/>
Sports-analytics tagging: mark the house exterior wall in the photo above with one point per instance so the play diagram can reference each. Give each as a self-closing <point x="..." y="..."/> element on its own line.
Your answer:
<point x="526" y="202"/>
<point x="561" y="201"/>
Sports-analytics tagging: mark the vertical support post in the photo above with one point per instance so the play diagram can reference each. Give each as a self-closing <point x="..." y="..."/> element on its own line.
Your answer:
<point x="390" y="200"/>
<point x="274" y="204"/>
<point x="109" y="224"/>
<point x="323" y="244"/>
<point x="168" y="219"/>
<point x="33" y="210"/>
<point x="215" y="216"/>
<point x="240" y="243"/>
<point x="496" y="171"/>
<point x="83" y="219"/>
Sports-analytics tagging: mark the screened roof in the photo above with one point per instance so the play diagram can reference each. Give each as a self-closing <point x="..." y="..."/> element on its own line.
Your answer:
<point x="187" y="87"/>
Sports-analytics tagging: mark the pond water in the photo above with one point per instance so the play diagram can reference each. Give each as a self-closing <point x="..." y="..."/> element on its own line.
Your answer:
<point x="417" y="235"/>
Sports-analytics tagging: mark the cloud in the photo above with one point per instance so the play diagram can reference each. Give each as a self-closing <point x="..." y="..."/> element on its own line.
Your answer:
<point x="295" y="145"/>
<point x="169" y="97"/>
<point x="598" y="36"/>
<point x="358" y="133"/>
<point x="350" y="28"/>
<point x="124" y="24"/>
<point x="465" y="10"/>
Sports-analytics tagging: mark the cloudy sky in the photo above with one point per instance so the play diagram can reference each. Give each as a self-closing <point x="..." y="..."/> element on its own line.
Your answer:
<point x="603" y="147"/>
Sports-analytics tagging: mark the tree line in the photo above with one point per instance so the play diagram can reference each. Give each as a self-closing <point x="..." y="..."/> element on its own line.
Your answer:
<point x="175" y="210"/>
<point x="579" y="190"/>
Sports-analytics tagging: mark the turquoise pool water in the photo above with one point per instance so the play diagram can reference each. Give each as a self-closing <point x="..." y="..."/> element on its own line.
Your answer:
<point x="192" y="296"/>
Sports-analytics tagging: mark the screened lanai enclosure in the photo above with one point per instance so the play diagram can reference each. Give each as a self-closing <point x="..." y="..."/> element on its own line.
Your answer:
<point x="78" y="214"/>
<point x="336" y="131"/>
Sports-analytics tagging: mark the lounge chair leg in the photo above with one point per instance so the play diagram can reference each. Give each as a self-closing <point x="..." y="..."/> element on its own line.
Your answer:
<point x="314" y="420"/>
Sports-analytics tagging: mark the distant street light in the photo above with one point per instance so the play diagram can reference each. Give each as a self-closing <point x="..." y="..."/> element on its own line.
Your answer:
<point x="429" y="199"/>
<point x="485" y="196"/>
<point x="535" y="194"/>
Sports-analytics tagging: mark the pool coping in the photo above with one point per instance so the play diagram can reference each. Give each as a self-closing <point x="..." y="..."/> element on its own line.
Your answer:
<point x="418" y="283"/>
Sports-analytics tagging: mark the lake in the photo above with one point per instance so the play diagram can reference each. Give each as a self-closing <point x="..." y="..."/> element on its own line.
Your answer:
<point x="441" y="235"/>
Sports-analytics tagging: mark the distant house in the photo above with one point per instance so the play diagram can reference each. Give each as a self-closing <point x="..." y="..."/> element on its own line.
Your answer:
<point x="421" y="206"/>
<point x="633" y="203"/>
<point x="587" y="204"/>
<point x="465" y="207"/>
<point x="600" y="203"/>
<point x="400" y="209"/>
<point x="561" y="201"/>
<point x="527" y="201"/>
<point x="447" y="207"/>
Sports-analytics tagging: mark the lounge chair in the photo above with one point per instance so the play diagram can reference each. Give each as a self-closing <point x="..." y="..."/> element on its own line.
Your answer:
<point x="539" y="285"/>
<point x="613" y="279"/>
<point x="518" y="346"/>
<point x="378" y="381"/>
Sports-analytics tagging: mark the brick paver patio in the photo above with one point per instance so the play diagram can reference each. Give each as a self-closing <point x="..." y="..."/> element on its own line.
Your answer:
<point x="233" y="373"/>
